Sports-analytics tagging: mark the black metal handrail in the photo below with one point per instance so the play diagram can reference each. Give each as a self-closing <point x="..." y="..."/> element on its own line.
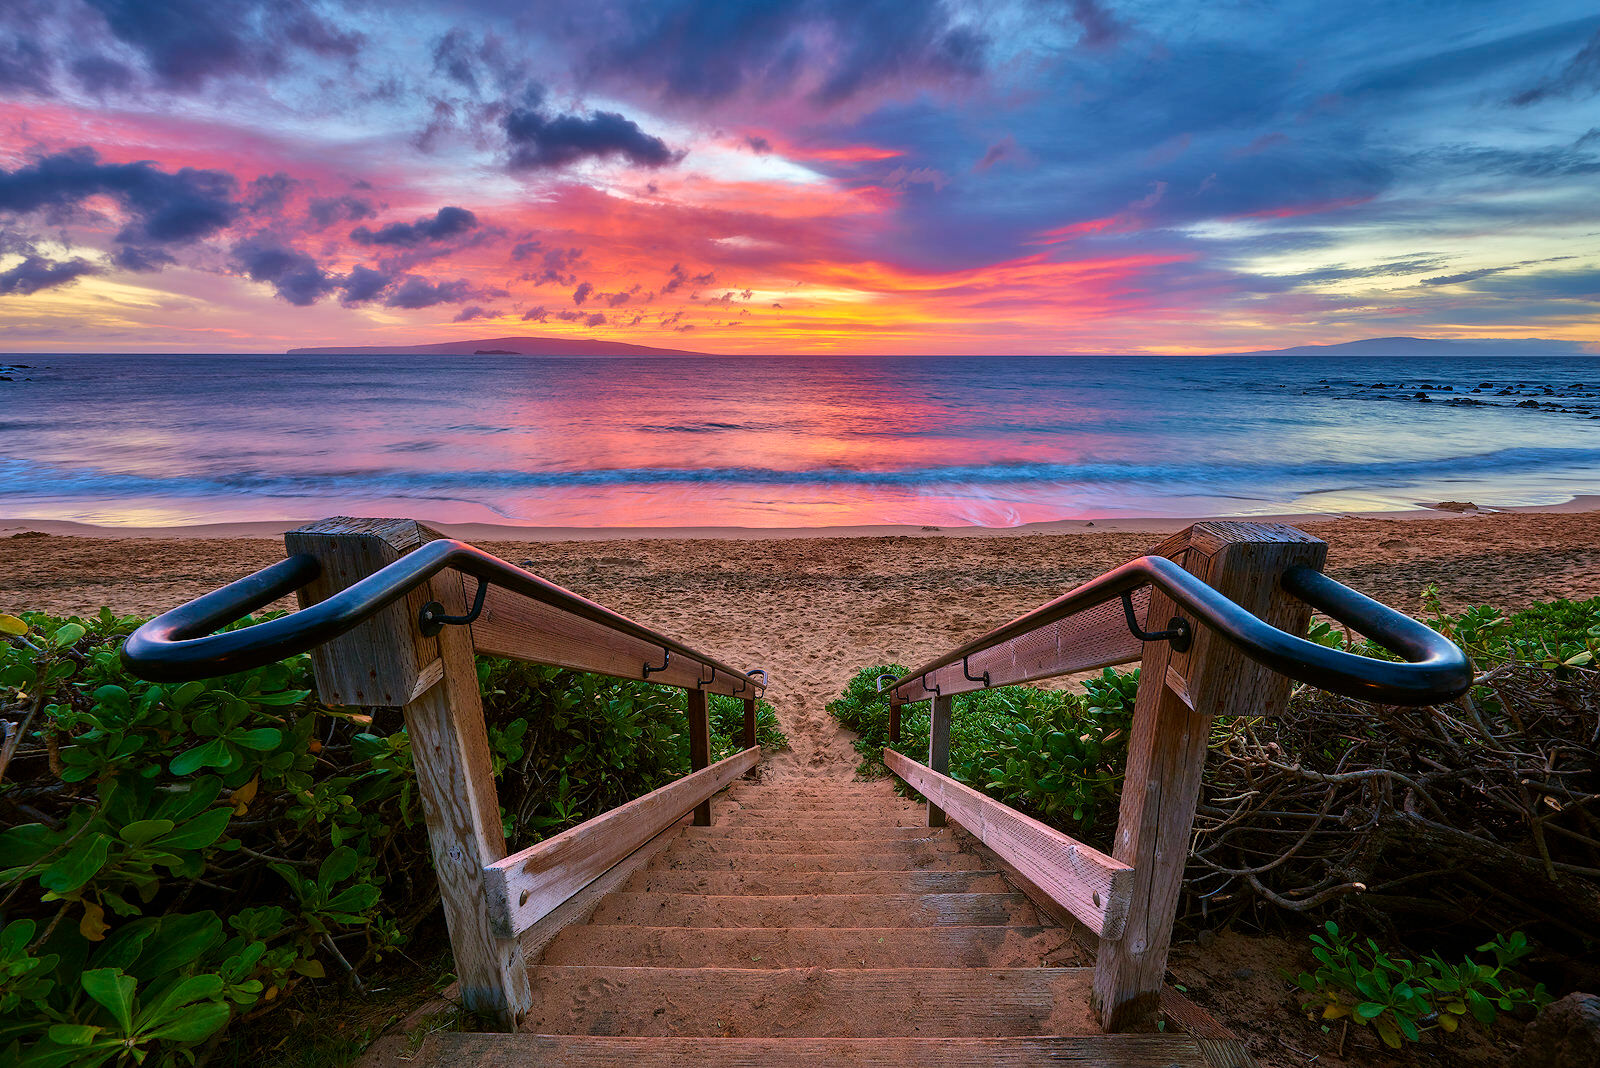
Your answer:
<point x="180" y="645"/>
<point x="1436" y="670"/>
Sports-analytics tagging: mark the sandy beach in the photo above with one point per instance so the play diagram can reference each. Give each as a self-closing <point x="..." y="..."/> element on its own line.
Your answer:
<point x="815" y="609"/>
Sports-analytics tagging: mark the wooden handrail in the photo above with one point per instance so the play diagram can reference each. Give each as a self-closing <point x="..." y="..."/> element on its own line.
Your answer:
<point x="528" y="885"/>
<point x="1180" y="690"/>
<point x="388" y="658"/>
<point x="1092" y="886"/>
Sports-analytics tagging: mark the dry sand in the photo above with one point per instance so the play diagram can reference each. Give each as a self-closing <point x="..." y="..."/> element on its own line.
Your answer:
<point x="813" y="610"/>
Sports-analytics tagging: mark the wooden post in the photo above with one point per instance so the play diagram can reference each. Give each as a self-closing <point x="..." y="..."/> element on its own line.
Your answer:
<point x="894" y="721"/>
<point x="700" y="747"/>
<point x="749" y="738"/>
<point x="1179" y="693"/>
<point x="939" y="749"/>
<point x="388" y="661"/>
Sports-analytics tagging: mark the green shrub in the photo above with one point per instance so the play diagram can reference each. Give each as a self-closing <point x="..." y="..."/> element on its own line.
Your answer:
<point x="180" y="857"/>
<point x="1055" y="754"/>
<point x="1400" y="998"/>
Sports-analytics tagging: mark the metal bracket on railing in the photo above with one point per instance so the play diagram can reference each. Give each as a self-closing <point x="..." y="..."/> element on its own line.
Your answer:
<point x="431" y="620"/>
<point x="934" y="689"/>
<point x="880" y="681"/>
<point x="701" y="684"/>
<point x="758" y="671"/>
<point x="1177" y="632"/>
<point x="666" y="658"/>
<point x="984" y="678"/>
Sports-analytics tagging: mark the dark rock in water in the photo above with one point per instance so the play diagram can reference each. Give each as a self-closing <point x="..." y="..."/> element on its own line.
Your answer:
<point x="1565" y="1034"/>
<point x="1485" y="385"/>
<point x="1422" y="398"/>
<point x="1507" y="392"/>
<point x="6" y="378"/>
<point x="1528" y="404"/>
<point x="1448" y="389"/>
<point x="1576" y="385"/>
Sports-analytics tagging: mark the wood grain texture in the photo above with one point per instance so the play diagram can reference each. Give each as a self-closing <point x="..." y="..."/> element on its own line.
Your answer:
<point x="1179" y="693"/>
<point x="817" y="910"/>
<point x="455" y="1049"/>
<point x="530" y="884"/>
<point x="812" y="1003"/>
<point x="699" y="711"/>
<point x="380" y="661"/>
<point x="524" y="629"/>
<point x="455" y="776"/>
<point x="938" y="750"/>
<point x="807" y="947"/>
<point x="1090" y="640"/>
<point x="844" y="882"/>
<point x="748" y="738"/>
<point x="387" y="660"/>
<point x="1095" y="888"/>
<point x="575" y="911"/>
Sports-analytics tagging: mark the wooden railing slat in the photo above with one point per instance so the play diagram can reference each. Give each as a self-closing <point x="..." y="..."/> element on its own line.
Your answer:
<point x="529" y="884"/>
<point x="1092" y="886"/>
<point x="1088" y="641"/>
<point x="521" y="628"/>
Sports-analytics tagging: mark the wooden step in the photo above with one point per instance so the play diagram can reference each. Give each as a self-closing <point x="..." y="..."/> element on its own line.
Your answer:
<point x="744" y="817"/>
<point x="865" y="846"/>
<point x="454" y="1049"/>
<point x="810" y="1002"/>
<point x="844" y="882"/>
<point x="766" y="831"/>
<point x="813" y="947"/>
<point x="813" y="910"/>
<point x="870" y="810"/>
<point x="695" y="858"/>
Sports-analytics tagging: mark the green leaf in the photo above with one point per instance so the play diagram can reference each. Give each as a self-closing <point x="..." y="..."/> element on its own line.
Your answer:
<point x="72" y="1034"/>
<point x="199" y="832"/>
<point x="140" y="832"/>
<point x="111" y="988"/>
<point x="1369" y="1009"/>
<point x="212" y="754"/>
<point x="260" y="739"/>
<point x="197" y="1023"/>
<point x="81" y="864"/>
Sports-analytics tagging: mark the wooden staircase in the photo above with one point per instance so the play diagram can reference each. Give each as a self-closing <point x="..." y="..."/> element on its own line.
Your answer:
<point x="810" y="926"/>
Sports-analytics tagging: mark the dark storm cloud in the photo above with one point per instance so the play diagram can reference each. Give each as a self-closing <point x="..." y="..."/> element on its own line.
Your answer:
<point x="187" y="42"/>
<point x="555" y="264"/>
<point x="293" y="275"/>
<point x="538" y="141"/>
<point x="35" y="273"/>
<point x="362" y="284"/>
<point x="1580" y="77"/>
<point x="582" y="293"/>
<point x="415" y="292"/>
<point x="141" y="259"/>
<point x="708" y="51"/>
<point x="267" y="194"/>
<point x="1100" y="30"/>
<point x="677" y="277"/>
<point x="473" y="311"/>
<point x="164" y="208"/>
<point x="323" y="212"/>
<point x="446" y="223"/>
<point x="537" y="315"/>
<point x="24" y="65"/>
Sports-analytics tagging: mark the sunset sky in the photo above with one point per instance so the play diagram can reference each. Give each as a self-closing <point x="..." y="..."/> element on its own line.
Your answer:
<point x="824" y="175"/>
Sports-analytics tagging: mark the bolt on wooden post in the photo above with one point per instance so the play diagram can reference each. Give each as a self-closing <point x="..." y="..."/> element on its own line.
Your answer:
<point x="939" y="749"/>
<point x="1179" y="694"/>
<point x="388" y="661"/>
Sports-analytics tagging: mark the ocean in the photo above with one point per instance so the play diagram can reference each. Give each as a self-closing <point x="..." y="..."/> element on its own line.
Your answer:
<point x="155" y="440"/>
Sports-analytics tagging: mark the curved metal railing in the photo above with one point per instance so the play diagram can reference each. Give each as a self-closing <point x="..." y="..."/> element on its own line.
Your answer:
<point x="1436" y="670"/>
<point x="181" y="644"/>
